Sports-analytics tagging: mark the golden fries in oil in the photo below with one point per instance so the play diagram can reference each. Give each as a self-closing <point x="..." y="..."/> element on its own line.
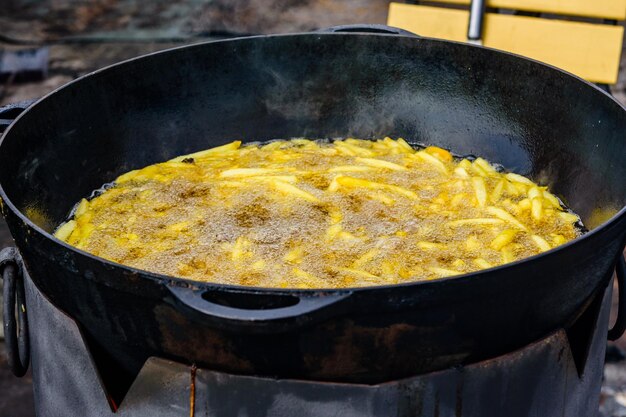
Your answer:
<point x="309" y="214"/>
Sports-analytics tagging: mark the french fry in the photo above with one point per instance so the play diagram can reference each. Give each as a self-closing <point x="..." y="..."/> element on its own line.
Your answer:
<point x="351" y="168"/>
<point x="308" y="280"/>
<point x="359" y="273"/>
<point x="481" y="263"/>
<point x="404" y="145"/>
<point x="496" y="194"/>
<point x="480" y="190"/>
<point x="430" y="245"/>
<point x="443" y="272"/>
<point x="507" y="217"/>
<point x="507" y="255"/>
<point x="521" y="188"/>
<point x="294" y="256"/>
<point x="466" y="164"/>
<point x="358" y="142"/>
<point x="352" y="150"/>
<point x="458" y="263"/>
<point x="82" y="208"/>
<point x="334" y="184"/>
<point x="240" y="248"/>
<point x="474" y="222"/>
<point x="184" y="269"/>
<point x="541" y="243"/>
<point x="277" y="144"/>
<point x="458" y="199"/>
<point x="441" y="199"/>
<point x="485" y="166"/>
<point x="347" y="235"/>
<point x="518" y="179"/>
<point x="87" y="216"/>
<point x="209" y="152"/>
<point x="536" y="208"/>
<point x="439" y="153"/>
<point x="361" y="183"/>
<point x="568" y="217"/>
<point x="379" y="163"/>
<point x="246" y="172"/>
<point x="335" y="215"/>
<point x="130" y="175"/>
<point x="386" y="200"/>
<point x="365" y="258"/>
<point x="83" y="233"/>
<point x="173" y="165"/>
<point x="461" y="172"/>
<point x="551" y="199"/>
<point x="388" y="270"/>
<point x="477" y="170"/>
<point x="294" y="191"/>
<point x="258" y="265"/>
<point x="333" y="231"/>
<point x="558" y="239"/>
<point x="291" y="179"/>
<point x="504" y="238"/>
<point x="426" y="157"/>
<point x="524" y="204"/>
<point x="65" y="230"/>
<point x="233" y="184"/>
<point x="511" y="189"/>
<point x="534" y="192"/>
<point x="179" y="227"/>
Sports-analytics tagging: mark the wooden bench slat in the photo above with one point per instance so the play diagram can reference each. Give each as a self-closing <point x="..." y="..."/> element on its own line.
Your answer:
<point x="591" y="51"/>
<point x="432" y="22"/>
<point x="603" y="9"/>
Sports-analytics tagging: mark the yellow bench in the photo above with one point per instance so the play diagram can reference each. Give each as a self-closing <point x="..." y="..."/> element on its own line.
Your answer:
<point x="589" y="49"/>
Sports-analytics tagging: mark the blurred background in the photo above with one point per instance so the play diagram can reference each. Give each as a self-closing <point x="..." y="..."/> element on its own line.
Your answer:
<point x="45" y="44"/>
<point x="85" y="35"/>
<point x="78" y="36"/>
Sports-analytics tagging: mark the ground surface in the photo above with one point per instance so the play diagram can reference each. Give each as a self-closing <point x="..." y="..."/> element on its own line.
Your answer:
<point x="16" y="394"/>
<point x="162" y="24"/>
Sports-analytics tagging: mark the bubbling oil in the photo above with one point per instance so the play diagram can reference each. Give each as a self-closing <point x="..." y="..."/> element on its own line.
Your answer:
<point x="317" y="214"/>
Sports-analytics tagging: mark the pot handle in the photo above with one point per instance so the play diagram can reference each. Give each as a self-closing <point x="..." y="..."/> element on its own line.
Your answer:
<point x="258" y="312"/>
<point x="368" y="28"/>
<point x="620" y="323"/>
<point x="15" y="330"/>
<point x="10" y="112"/>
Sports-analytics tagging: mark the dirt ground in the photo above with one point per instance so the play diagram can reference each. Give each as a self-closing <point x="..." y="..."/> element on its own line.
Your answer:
<point x="115" y="28"/>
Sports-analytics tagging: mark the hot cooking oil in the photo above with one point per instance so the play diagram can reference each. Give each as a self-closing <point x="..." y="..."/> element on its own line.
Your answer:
<point x="313" y="214"/>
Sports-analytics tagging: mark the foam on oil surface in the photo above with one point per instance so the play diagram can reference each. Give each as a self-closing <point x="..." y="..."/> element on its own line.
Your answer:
<point x="306" y="214"/>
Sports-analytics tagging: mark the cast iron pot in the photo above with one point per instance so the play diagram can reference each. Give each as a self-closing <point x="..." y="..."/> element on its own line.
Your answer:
<point x="531" y="118"/>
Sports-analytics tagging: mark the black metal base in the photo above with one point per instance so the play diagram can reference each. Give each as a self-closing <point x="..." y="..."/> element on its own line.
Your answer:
<point x="544" y="379"/>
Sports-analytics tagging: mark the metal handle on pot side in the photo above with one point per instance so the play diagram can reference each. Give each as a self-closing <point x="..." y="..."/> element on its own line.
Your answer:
<point x="368" y="28"/>
<point x="620" y="323"/>
<point x="10" y="112"/>
<point x="15" y="330"/>
<point x="258" y="312"/>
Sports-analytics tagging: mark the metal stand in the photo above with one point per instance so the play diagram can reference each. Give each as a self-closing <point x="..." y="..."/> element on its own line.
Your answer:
<point x="539" y="380"/>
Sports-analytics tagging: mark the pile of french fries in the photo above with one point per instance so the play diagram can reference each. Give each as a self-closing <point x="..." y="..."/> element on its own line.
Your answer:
<point x="312" y="214"/>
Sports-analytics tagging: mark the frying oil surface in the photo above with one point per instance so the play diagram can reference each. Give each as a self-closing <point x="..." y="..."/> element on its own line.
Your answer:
<point x="305" y="214"/>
